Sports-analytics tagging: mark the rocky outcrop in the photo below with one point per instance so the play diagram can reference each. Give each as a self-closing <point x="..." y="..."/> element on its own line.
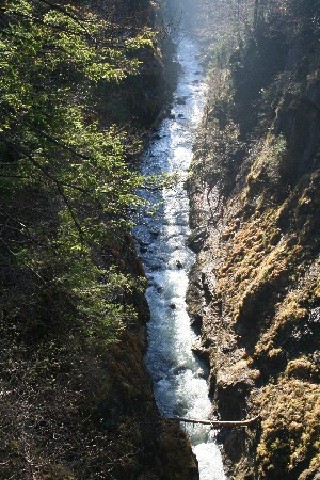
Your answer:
<point x="254" y="290"/>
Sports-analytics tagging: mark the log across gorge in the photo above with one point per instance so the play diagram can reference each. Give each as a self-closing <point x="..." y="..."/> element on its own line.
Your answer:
<point x="218" y="423"/>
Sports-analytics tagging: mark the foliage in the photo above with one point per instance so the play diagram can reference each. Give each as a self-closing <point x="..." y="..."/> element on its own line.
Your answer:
<point x="66" y="187"/>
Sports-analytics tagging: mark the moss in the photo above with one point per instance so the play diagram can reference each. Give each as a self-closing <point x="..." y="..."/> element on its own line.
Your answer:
<point x="302" y="368"/>
<point x="268" y="283"/>
<point x="290" y="412"/>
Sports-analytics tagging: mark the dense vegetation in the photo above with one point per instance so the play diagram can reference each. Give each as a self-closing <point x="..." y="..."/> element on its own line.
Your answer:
<point x="73" y="76"/>
<point x="65" y="186"/>
<point x="257" y="164"/>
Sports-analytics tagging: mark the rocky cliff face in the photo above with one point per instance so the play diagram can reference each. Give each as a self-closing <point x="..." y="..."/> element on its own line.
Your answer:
<point x="254" y="293"/>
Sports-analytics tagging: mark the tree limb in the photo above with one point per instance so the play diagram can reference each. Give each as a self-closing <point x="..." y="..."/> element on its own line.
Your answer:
<point x="62" y="10"/>
<point x="70" y="210"/>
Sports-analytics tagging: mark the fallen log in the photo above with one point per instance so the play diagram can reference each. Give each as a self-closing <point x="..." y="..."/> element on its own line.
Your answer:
<point x="217" y="423"/>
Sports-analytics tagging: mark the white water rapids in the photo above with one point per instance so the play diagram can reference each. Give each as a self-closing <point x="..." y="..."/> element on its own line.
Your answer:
<point x="178" y="376"/>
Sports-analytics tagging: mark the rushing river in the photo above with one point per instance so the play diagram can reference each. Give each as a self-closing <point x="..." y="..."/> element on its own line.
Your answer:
<point x="178" y="376"/>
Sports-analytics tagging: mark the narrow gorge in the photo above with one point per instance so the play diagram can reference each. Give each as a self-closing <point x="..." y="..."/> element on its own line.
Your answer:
<point x="159" y="239"/>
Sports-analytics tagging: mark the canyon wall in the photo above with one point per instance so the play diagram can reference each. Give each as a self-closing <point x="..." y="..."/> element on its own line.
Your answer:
<point x="254" y="296"/>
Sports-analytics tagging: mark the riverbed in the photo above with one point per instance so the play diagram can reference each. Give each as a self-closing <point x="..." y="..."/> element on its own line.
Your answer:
<point x="179" y="377"/>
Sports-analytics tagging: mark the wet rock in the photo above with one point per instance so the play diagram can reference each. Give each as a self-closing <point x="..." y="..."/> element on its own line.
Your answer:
<point x="234" y="384"/>
<point x="200" y="373"/>
<point x="173" y="306"/>
<point x="197" y="238"/>
<point x="196" y="319"/>
<point x="153" y="264"/>
<point x="152" y="248"/>
<point x="181" y="101"/>
<point x="178" y="264"/>
<point x="231" y="397"/>
<point x="200" y="350"/>
<point x="154" y="267"/>
<point x="179" y="369"/>
<point x="212" y="384"/>
<point x="155" y="231"/>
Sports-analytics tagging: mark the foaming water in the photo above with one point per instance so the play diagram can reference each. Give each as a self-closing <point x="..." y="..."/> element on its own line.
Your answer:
<point x="178" y="376"/>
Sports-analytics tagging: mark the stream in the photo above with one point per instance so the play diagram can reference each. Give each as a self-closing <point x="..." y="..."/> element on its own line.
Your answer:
<point x="179" y="377"/>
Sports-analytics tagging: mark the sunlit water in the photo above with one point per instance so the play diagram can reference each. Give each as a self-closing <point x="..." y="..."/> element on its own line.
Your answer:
<point x="180" y="388"/>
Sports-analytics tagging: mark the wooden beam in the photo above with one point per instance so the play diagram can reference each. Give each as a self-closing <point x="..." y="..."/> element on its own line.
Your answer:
<point x="218" y="423"/>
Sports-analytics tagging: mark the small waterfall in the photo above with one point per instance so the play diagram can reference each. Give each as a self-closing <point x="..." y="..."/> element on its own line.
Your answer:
<point x="178" y="376"/>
